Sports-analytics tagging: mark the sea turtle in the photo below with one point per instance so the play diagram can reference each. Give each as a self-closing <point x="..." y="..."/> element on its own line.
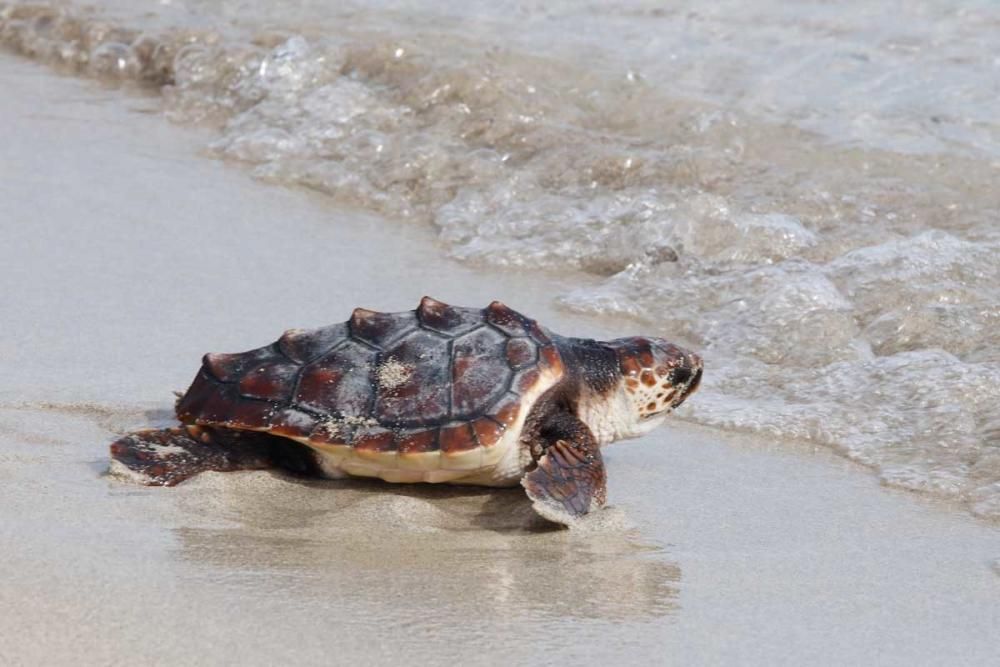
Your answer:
<point x="437" y="394"/>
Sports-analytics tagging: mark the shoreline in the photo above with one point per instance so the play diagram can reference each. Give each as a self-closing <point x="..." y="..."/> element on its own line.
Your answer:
<point x="132" y="255"/>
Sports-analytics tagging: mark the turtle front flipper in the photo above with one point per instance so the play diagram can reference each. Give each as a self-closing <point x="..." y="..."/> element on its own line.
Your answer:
<point x="569" y="480"/>
<point x="165" y="457"/>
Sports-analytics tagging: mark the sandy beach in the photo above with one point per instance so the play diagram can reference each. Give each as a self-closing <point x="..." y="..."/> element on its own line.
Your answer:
<point x="126" y="255"/>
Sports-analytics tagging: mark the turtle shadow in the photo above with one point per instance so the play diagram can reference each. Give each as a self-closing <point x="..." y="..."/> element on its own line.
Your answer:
<point x="511" y="511"/>
<point x="465" y="508"/>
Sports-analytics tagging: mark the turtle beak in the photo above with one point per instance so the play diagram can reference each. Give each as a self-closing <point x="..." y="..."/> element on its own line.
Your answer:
<point x="687" y="377"/>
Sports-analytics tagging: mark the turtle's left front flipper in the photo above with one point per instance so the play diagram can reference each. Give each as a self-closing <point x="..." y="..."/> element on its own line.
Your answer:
<point x="569" y="480"/>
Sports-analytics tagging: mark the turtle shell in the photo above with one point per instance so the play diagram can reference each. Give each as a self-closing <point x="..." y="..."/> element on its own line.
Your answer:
<point x="436" y="388"/>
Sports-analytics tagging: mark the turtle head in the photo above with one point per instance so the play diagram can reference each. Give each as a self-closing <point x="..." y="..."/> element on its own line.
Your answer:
<point x="656" y="377"/>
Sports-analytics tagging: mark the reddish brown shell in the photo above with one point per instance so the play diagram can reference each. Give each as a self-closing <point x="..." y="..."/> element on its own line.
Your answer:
<point x="438" y="378"/>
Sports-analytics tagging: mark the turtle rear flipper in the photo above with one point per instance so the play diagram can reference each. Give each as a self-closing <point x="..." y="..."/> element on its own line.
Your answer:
<point x="165" y="457"/>
<point x="569" y="480"/>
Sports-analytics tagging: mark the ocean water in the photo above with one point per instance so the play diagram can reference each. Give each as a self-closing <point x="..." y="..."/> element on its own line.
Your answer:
<point x="805" y="194"/>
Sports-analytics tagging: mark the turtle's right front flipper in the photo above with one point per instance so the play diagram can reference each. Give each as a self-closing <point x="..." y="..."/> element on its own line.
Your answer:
<point x="165" y="457"/>
<point x="569" y="480"/>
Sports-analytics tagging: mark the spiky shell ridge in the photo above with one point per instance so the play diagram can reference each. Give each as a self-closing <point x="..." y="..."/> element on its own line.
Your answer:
<point x="436" y="388"/>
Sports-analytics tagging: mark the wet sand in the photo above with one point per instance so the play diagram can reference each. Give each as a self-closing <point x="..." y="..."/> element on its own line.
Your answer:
<point x="125" y="256"/>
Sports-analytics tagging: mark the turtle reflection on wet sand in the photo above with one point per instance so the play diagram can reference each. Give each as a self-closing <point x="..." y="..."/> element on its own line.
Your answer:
<point x="437" y="394"/>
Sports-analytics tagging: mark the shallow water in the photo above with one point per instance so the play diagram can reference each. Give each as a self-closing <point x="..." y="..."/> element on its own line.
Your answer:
<point x="806" y="195"/>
